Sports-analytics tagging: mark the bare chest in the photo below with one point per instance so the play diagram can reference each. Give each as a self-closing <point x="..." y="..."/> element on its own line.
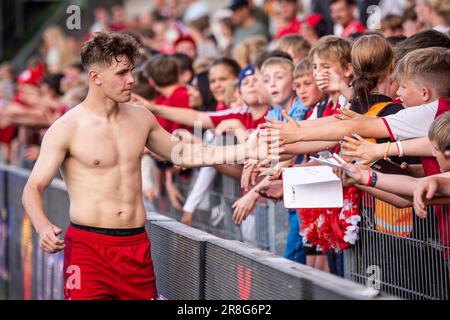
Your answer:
<point x="107" y="145"/>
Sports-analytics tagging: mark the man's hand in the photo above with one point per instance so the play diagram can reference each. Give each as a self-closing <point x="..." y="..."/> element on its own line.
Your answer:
<point x="48" y="240"/>
<point x="358" y="147"/>
<point x="425" y="190"/>
<point x="280" y="133"/>
<point x="244" y="206"/>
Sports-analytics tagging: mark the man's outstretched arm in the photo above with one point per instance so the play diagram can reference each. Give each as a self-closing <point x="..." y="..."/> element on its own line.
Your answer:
<point x="188" y="154"/>
<point x="53" y="151"/>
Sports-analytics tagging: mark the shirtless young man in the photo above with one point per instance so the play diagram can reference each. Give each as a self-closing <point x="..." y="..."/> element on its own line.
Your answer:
<point x="98" y="145"/>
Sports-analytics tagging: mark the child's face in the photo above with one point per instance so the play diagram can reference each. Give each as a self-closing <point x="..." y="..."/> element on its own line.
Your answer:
<point x="322" y="66"/>
<point x="410" y="93"/>
<point x="307" y="90"/>
<point x="219" y="77"/>
<point x="249" y="92"/>
<point x="444" y="162"/>
<point x="278" y="82"/>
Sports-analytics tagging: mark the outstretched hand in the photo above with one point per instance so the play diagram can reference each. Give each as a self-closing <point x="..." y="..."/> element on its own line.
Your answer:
<point x="347" y="114"/>
<point x="358" y="147"/>
<point x="359" y="175"/>
<point x="279" y="133"/>
<point x="247" y="173"/>
<point x="244" y="206"/>
<point x="425" y="190"/>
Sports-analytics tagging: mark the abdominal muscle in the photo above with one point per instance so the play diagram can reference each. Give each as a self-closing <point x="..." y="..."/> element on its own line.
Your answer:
<point x="105" y="197"/>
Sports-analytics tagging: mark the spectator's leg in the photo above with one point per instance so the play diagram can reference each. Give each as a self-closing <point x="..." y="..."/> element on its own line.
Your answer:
<point x="331" y="257"/>
<point x="294" y="243"/>
<point x="340" y="263"/>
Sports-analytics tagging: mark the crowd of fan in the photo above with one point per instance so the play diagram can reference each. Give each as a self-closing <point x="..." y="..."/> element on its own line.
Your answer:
<point x="312" y="70"/>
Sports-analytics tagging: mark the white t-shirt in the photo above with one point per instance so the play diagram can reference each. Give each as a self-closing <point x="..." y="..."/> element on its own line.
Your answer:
<point x="414" y="122"/>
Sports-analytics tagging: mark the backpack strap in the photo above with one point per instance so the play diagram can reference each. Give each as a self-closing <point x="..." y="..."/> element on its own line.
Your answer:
<point x="377" y="108"/>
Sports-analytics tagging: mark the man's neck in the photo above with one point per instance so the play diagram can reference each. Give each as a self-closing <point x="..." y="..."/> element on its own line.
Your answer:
<point x="168" y="90"/>
<point x="99" y="104"/>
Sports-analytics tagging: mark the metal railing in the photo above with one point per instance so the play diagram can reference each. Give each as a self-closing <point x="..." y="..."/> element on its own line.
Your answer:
<point x="406" y="256"/>
<point x="189" y="263"/>
<point x="409" y="260"/>
<point x="265" y="228"/>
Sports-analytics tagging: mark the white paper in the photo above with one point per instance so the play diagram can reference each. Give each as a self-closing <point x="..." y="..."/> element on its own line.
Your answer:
<point x="311" y="187"/>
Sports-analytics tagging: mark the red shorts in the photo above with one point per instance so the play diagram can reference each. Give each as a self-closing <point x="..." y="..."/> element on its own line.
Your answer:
<point x="103" y="267"/>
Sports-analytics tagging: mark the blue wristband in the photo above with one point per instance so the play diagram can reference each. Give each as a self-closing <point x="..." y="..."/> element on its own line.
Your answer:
<point x="374" y="179"/>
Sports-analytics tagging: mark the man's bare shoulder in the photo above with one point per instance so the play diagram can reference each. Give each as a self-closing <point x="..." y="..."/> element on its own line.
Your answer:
<point x="137" y="109"/>
<point x="140" y="112"/>
<point x="64" y="127"/>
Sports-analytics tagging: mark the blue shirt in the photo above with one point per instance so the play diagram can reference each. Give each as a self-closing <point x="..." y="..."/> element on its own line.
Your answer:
<point x="297" y="112"/>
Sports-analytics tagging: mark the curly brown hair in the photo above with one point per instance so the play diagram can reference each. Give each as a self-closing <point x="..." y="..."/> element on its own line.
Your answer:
<point x="103" y="47"/>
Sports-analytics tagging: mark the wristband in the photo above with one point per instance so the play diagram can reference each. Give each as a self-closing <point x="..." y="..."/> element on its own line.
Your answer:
<point x="374" y="179"/>
<point x="400" y="148"/>
<point x="387" y="150"/>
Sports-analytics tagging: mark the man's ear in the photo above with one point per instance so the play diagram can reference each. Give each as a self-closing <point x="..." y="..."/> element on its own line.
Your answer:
<point x="95" y="76"/>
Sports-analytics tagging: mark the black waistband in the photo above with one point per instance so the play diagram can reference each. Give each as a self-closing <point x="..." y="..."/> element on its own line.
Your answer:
<point x="111" y="232"/>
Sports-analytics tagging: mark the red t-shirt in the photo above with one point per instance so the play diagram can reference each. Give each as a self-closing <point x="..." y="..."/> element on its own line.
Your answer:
<point x="221" y="106"/>
<point x="329" y="110"/>
<point x="242" y="114"/>
<point x="7" y="133"/>
<point x="353" y="27"/>
<point x="178" y="99"/>
<point x="294" y="27"/>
